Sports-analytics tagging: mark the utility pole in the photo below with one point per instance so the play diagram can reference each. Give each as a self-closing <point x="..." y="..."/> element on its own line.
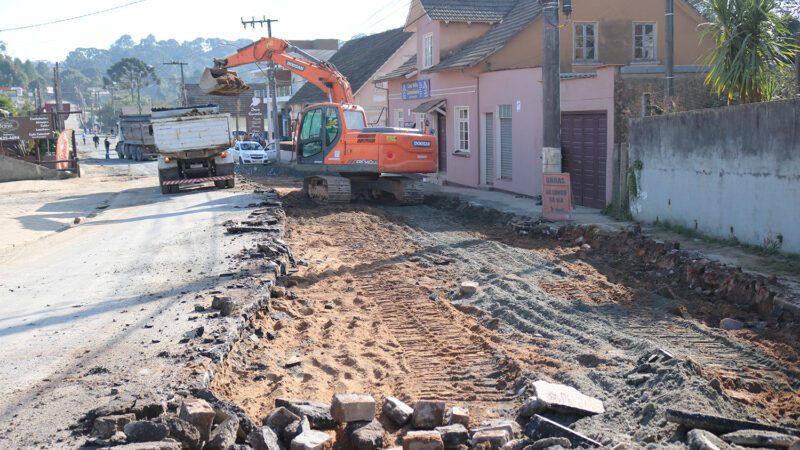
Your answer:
<point x="272" y="83"/>
<point x="670" y="59"/>
<point x="183" y="80"/>
<point x="551" y="77"/>
<point x="57" y="91"/>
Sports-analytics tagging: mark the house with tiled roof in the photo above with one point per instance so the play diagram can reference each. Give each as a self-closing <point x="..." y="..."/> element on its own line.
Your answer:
<point x="361" y="60"/>
<point x="474" y="79"/>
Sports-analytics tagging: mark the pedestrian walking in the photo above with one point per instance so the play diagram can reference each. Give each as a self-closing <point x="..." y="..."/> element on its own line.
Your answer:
<point x="96" y="140"/>
<point x="84" y="138"/>
<point x="108" y="147"/>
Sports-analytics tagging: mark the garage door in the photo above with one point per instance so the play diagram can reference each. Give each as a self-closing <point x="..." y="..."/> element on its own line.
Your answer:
<point x="584" y="154"/>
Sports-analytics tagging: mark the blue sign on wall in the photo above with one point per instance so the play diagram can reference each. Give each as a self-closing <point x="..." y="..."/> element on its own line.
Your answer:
<point x="415" y="90"/>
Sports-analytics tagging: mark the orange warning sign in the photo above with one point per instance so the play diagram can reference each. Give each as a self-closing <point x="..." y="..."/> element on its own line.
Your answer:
<point x="557" y="197"/>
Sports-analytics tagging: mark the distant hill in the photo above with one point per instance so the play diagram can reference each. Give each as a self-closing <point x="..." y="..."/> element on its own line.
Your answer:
<point x="92" y="63"/>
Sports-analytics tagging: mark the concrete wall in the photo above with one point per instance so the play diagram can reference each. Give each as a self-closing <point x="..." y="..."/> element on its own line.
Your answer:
<point x="12" y="169"/>
<point x="728" y="172"/>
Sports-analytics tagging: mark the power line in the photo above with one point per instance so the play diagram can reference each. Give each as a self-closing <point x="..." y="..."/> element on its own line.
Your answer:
<point x="73" y="18"/>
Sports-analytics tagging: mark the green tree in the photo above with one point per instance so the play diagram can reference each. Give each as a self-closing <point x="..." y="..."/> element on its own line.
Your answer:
<point x="133" y="74"/>
<point x="7" y="105"/>
<point x="107" y="116"/>
<point x="752" y="45"/>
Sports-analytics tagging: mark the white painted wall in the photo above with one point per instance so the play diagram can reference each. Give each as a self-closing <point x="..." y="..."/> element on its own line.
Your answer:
<point x="727" y="172"/>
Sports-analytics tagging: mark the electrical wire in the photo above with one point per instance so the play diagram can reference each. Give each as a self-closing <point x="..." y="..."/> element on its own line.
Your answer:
<point x="24" y="27"/>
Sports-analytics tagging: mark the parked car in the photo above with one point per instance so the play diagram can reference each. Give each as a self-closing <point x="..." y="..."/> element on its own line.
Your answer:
<point x="271" y="152"/>
<point x="249" y="152"/>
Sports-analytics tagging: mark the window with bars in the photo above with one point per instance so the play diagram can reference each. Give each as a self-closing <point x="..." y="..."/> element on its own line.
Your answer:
<point x="644" y="41"/>
<point x="506" y="142"/>
<point x="462" y="129"/>
<point x="585" y="48"/>
<point x="427" y="51"/>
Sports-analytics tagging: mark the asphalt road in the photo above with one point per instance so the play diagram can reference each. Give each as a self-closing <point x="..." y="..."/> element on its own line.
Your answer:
<point x="85" y="309"/>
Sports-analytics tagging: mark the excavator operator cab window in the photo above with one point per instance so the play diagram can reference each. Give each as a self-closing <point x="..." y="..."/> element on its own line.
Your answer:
<point x="332" y="125"/>
<point x="354" y="120"/>
<point x="310" y="133"/>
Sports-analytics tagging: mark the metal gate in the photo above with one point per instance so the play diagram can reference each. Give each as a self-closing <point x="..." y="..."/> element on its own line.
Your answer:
<point x="489" y="173"/>
<point x="506" y="147"/>
<point x="584" y="152"/>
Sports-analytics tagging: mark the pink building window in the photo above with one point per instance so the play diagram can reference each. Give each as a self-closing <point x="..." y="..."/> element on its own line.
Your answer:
<point x="462" y="129"/>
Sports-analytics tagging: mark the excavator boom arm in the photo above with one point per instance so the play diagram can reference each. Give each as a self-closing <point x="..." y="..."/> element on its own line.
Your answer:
<point x="319" y="73"/>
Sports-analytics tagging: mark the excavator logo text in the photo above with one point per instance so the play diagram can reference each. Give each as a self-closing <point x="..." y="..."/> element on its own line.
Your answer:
<point x="424" y="144"/>
<point x="295" y="66"/>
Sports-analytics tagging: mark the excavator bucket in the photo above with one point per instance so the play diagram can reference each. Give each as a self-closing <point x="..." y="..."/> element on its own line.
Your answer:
<point x="222" y="82"/>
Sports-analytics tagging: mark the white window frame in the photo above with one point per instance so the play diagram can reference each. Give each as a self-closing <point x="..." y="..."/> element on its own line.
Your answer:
<point x="596" y="58"/>
<point x="421" y="117"/>
<point x="399" y="118"/>
<point x="427" y="51"/>
<point x="655" y="41"/>
<point x="462" y="146"/>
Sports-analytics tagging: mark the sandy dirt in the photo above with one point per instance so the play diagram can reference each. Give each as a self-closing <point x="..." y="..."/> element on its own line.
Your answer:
<point x="370" y="314"/>
<point x="377" y="310"/>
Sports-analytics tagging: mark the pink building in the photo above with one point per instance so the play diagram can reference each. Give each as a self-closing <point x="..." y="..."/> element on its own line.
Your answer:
<point x="475" y="81"/>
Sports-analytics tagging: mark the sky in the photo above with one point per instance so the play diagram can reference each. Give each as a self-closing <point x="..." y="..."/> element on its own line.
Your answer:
<point x="185" y="20"/>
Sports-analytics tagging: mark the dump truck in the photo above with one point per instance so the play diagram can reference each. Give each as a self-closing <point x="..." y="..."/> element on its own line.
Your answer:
<point x="332" y="142"/>
<point x="136" y="138"/>
<point x="193" y="147"/>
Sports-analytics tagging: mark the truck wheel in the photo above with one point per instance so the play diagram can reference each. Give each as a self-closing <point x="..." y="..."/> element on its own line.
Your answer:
<point x="166" y="189"/>
<point x="230" y="183"/>
<point x="220" y="184"/>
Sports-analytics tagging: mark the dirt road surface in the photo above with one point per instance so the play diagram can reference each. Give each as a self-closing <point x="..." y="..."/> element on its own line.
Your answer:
<point x="93" y="310"/>
<point x="377" y="309"/>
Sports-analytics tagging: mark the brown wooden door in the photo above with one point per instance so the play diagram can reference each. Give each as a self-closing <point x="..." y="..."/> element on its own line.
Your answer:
<point x="584" y="153"/>
<point x="441" y="126"/>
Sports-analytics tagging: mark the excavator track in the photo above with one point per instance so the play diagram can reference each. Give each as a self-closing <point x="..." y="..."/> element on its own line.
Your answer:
<point x="325" y="190"/>
<point x="409" y="192"/>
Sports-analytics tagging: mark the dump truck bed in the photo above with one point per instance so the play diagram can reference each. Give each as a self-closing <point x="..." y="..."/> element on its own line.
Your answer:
<point x="187" y="133"/>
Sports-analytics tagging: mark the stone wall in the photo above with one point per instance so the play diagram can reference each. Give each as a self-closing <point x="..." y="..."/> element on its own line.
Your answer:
<point x="690" y="90"/>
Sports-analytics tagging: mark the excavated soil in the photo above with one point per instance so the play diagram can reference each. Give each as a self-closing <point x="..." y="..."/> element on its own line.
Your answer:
<point x="370" y="314"/>
<point x="377" y="310"/>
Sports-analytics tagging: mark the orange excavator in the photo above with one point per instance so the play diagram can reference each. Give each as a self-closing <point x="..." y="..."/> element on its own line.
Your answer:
<point x="332" y="141"/>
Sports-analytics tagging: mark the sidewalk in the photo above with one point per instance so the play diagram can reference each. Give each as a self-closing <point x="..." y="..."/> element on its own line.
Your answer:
<point x="521" y="205"/>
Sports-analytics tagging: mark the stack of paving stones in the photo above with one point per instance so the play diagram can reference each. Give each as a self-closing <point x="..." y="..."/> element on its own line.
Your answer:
<point x="350" y="422"/>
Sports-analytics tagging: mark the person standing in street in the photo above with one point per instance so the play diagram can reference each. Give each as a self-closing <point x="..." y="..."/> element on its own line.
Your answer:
<point x="108" y="147"/>
<point x="84" y="137"/>
<point x="96" y="140"/>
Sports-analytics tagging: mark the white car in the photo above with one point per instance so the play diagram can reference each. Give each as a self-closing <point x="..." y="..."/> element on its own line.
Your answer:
<point x="272" y="152"/>
<point x="249" y="152"/>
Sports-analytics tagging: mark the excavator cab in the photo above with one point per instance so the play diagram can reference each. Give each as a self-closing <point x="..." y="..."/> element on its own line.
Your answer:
<point x="218" y="81"/>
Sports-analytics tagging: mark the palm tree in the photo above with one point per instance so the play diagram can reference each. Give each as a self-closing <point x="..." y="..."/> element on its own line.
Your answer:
<point x="752" y="44"/>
